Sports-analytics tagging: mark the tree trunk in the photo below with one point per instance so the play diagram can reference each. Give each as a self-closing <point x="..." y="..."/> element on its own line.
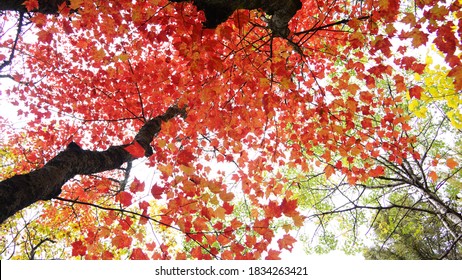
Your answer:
<point x="45" y="183"/>
<point x="216" y="11"/>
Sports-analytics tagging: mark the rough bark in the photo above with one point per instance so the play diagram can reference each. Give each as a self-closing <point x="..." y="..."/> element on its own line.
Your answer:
<point x="216" y="11"/>
<point x="20" y="191"/>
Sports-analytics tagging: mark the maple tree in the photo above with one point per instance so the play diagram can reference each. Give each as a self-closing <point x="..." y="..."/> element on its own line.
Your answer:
<point x="257" y="90"/>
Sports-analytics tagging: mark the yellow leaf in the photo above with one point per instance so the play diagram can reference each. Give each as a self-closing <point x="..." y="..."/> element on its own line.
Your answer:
<point x="124" y="57"/>
<point x="285" y="83"/>
<point x="421" y="113"/>
<point x="413" y="105"/>
<point x="456" y="119"/>
<point x="161" y="143"/>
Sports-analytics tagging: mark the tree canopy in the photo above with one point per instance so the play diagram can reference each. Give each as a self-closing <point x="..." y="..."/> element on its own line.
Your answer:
<point x="193" y="129"/>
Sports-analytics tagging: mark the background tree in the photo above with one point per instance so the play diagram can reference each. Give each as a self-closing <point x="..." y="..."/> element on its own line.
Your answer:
<point x="413" y="204"/>
<point x="111" y="75"/>
<point x="415" y="236"/>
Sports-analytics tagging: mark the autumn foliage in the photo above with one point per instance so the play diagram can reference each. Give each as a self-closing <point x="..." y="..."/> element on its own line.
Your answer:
<point x="329" y="97"/>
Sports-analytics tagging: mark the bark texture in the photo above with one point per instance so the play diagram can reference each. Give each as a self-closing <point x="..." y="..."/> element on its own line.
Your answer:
<point x="45" y="183"/>
<point x="216" y="11"/>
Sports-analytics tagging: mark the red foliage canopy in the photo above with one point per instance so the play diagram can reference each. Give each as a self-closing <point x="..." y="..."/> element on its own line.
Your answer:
<point x="254" y="102"/>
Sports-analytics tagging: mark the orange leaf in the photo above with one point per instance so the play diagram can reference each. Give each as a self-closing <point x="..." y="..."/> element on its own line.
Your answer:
<point x="261" y="226"/>
<point x="219" y="213"/>
<point x="456" y="73"/>
<point x="273" y="255"/>
<point x="329" y="170"/>
<point x="286" y="242"/>
<point x="433" y="176"/>
<point x="75" y="4"/>
<point x="298" y="220"/>
<point x="235" y="224"/>
<point x="151" y="246"/>
<point x="451" y="163"/>
<point x="196" y="252"/>
<point x="227" y="255"/>
<point x="226" y="196"/>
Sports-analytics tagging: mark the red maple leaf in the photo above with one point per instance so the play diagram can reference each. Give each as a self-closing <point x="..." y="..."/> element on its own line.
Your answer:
<point x="138" y="254"/>
<point x="106" y="255"/>
<point x="135" y="149"/>
<point x="136" y="186"/>
<point x="377" y="171"/>
<point x="122" y="241"/>
<point x="78" y="249"/>
<point x="184" y="157"/>
<point x="456" y="73"/>
<point x="143" y="205"/>
<point x="124" y="198"/>
<point x="289" y="207"/>
<point x="157" y="191"/>
<point x="415" y="92"/>
<point x="31" y="5"/>
<point x="273" y="210"/>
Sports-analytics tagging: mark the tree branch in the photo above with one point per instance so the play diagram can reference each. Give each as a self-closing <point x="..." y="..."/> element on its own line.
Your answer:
<point x="20" y="191"/>
<point x="13" y="48"/>
<point x="453" y="244"/>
